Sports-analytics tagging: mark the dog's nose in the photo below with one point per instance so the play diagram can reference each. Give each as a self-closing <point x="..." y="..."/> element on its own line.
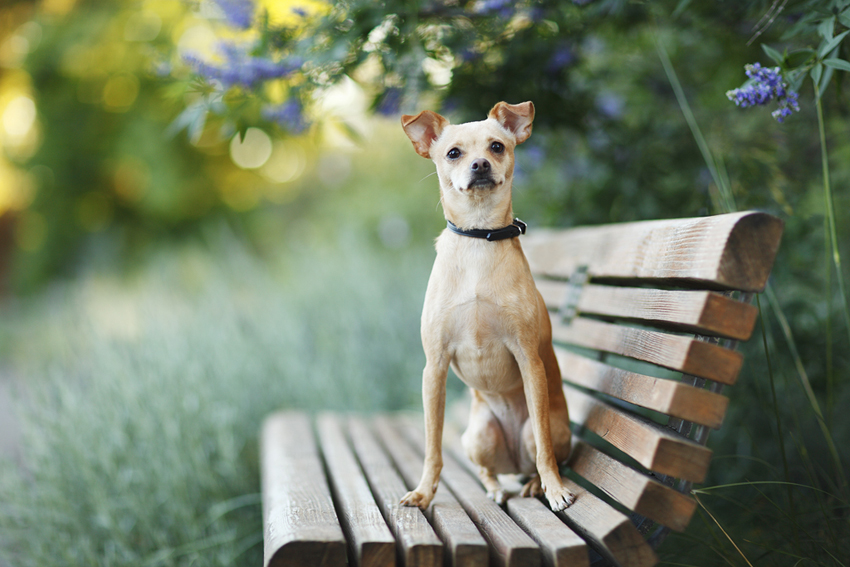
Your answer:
<point x="480" y="166"/>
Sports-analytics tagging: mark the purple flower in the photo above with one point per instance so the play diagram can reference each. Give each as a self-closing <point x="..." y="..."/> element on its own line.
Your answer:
<point x="241" y="68"/>
<point x="504" y="8"/>
<point x="238" y="13"/>
<point x="562" y="57"/>
<point x="390" y="102"/>
<point x="288" y="115"/>
<point x="764" y="85"/>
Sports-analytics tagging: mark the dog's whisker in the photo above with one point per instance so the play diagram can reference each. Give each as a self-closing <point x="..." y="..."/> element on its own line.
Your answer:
<point x="427" y="176"/>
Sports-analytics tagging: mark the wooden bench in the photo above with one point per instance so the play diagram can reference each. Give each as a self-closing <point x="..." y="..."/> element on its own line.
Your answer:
<point x="646" y="317"/>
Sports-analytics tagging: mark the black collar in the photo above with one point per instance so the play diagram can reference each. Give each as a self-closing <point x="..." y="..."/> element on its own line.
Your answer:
<point x="511" y="231"/>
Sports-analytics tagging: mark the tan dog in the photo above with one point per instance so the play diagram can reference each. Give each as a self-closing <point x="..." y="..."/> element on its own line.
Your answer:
<point x="484" y="316"/>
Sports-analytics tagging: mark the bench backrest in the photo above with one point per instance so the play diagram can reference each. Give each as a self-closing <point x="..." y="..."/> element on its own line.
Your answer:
<point x="645" y="318"/>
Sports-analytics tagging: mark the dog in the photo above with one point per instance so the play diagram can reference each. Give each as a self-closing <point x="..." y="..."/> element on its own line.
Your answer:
<point x="484" y="316"/>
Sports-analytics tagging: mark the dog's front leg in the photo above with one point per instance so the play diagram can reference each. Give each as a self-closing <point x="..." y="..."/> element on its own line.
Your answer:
<point x="537" y="396"/>
<point x="434" y="402"/>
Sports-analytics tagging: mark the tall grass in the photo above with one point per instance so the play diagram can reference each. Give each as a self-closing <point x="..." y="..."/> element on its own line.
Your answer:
<point x="143" y="395"/>
<point x="785" y="499"/>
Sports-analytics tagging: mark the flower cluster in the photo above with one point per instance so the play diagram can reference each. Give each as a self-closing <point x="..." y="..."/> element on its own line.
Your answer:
<point x="238" y="13"/>
<point x="288" y="115"/>
<point x="241" y="68"/>
<point x="765" y="84"/>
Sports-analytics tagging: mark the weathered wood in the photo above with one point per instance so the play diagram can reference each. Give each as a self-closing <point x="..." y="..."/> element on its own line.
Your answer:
<point x="655" y="447"/>
<point x="561" y="546"/>
<point x="509" y="545"/>
<point x="464" y="545"/>
<point x="632" y="489"/>
<point x="611" y="533"/>
<point x="370" y="542"/>
<point x="417" y="544"/>
<point x="300" y="526"/>
<point x="734" y="251"/>
<point x="665" y="396"/>
<point x="702" y="312"/>
<point x="676" y="352"/>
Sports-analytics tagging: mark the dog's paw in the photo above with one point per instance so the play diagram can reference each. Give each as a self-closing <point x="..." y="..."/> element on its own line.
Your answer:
<point x="498" y="496"/>
<point x="532" y="489"/>
<point x="417" y="498"/>
<point x="559" y="497"/>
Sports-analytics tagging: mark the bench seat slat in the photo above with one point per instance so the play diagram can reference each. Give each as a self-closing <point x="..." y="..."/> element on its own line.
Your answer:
<point x="610" y="533"/>
<point x="632" y="489"/>
<point x="702" y="312"/>
<point x="734" y="251"/>
<point x="370" y="541"/>
<point x="653" y="446"/>
<point x="666" y="396"/>
<point x="464" y="545"/>
<point x="418" y="545"/>
<point x="675" y="352"/>
<point x="509" y="545"/>
<point x="561" y="546"/>
<point x="299" y="521"/>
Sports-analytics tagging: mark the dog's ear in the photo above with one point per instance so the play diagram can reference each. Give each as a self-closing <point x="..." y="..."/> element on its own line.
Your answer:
<point x="423" y="129"/>
<point x="516" y="118"/>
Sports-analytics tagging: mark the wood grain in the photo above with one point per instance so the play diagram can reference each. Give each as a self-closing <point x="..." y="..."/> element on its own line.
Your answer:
<point x="611" y="532"/>
<point x="733" y="251"/>
<point x="655" y="447"/>
<point x="464" y="545"/>
<point x="561" y="546"/>
<point x="701" y="312"/>
<point x="417" y="544"/>
<point x="676" y="352"/>
<point x="300" y="526"/>
<point x="632" y="489"/>
<point x="666" y="396"/>
<point x="369" y="539"/>
<point x="510" y="546"/>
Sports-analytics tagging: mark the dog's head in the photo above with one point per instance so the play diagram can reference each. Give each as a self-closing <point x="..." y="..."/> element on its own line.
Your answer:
<point x="475" y="161"/>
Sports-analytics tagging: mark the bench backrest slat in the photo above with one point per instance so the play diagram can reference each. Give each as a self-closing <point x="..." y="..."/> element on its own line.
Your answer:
<point x="664" y="396"/>
<point x="734" y="251"/>
<point x="655" y="447"/>
<point x="634" y="490"/>
<point x="704" y="312"/>
<point x="675" y="352"/>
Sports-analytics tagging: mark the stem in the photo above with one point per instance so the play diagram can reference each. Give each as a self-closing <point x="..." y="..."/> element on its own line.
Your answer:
<point x="830" y="210"/>
<point x="780" y="436"/>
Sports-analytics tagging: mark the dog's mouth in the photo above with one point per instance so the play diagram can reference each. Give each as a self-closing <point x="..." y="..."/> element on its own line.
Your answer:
<point x="482" y="183"/>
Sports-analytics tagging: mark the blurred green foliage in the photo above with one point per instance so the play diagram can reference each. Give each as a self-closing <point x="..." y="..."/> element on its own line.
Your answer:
<point x="153" y="379"/>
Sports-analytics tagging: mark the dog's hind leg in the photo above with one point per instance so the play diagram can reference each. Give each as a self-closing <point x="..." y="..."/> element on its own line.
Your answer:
<point x="485" y="445"/>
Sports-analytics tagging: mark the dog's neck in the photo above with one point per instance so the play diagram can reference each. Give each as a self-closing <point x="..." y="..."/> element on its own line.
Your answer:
<point x="482" y="210"/>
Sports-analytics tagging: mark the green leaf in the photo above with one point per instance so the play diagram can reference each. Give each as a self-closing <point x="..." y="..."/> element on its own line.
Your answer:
<point x="773" y="54"/>
<point x="844" y="18"/>
<point x="840" y="64"/>
<point x="831" y="44"/>
<point x="816" y="73"/>
<point x="827" y="27"/>
<point x="683" y="5"/>
<point x="827" y="76"/>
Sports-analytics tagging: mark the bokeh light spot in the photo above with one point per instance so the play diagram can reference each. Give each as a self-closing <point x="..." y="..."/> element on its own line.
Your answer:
<point x="120" y="92"/>
<point x="251" y="151"/>
<point x="142" y="26"/>
<point x="19" y="116"/>
<point x="287" y="162"/>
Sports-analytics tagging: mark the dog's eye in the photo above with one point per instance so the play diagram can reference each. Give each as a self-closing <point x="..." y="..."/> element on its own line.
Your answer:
<point x="497" y="147"/>
<point x="454" y="153"/>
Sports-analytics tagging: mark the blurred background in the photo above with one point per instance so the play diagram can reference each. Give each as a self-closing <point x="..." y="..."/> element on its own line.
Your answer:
<point x="184" y="249"/>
